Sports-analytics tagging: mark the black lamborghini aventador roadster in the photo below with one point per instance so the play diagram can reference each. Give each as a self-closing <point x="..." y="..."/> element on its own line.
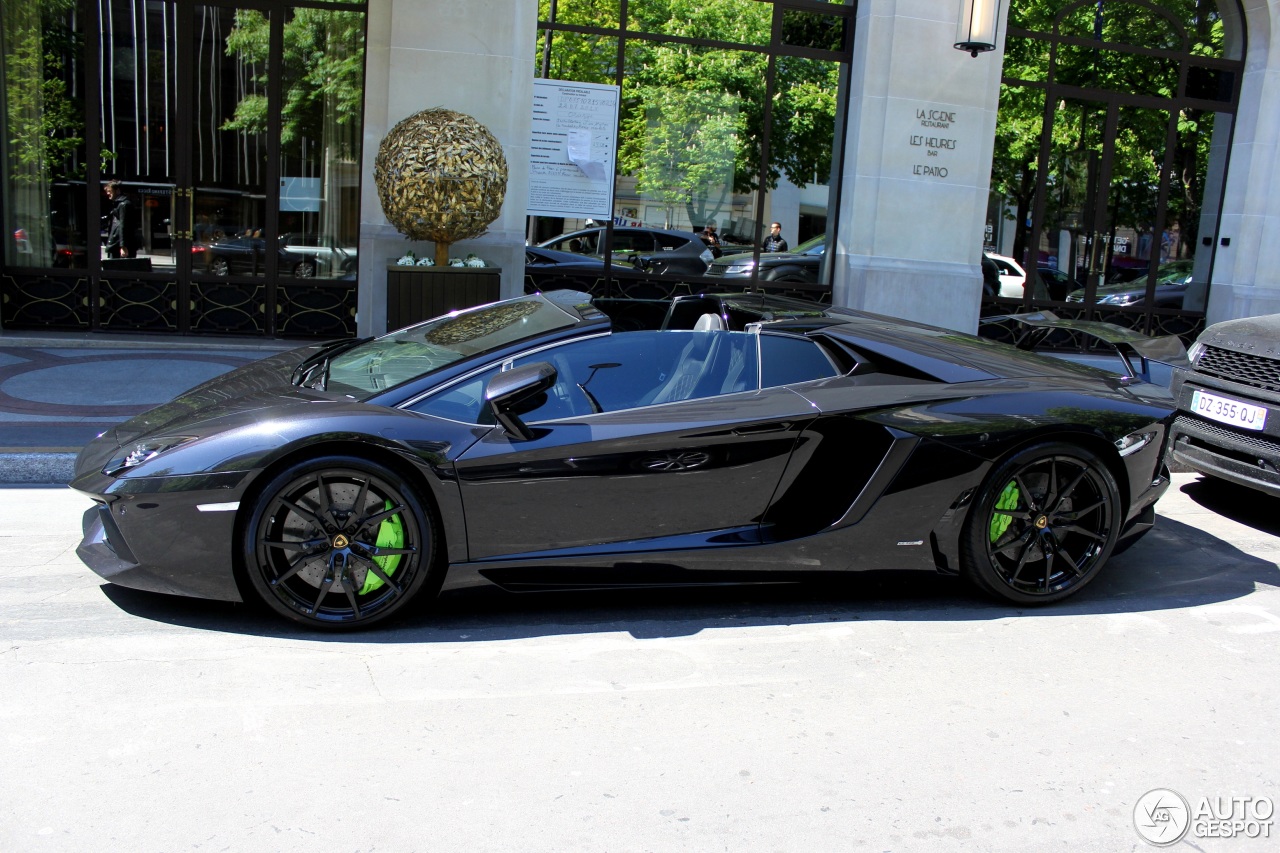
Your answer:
<point x="527" y="444"/>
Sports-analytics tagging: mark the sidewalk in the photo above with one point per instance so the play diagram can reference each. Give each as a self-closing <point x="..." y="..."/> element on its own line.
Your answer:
<point x="59" y="391"/>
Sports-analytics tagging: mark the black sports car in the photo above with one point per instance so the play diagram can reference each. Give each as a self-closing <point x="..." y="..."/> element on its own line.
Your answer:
<point x="527" y="444"/>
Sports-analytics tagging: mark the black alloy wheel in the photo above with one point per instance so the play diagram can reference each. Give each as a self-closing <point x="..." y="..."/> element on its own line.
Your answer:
<point x="340" y="543"/>
<point x="220" y="266"/>
<point x="1043" y="525"/>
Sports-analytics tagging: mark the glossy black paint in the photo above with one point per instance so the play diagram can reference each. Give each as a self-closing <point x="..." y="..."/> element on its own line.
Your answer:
<point x="872" y="468"/>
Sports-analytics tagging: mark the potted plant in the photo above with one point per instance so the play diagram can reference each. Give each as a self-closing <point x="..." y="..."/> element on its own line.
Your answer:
<point x="441" y="176"/>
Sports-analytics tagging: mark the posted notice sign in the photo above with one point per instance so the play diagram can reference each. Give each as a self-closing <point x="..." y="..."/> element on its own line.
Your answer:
<point x="571" y="155"/>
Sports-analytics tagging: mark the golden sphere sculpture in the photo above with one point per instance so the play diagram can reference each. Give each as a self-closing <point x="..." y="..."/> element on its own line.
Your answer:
<point x="441" y="176"/>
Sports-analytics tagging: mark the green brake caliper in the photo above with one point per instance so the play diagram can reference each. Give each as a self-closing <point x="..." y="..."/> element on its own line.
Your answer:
<point x="390" y="535"/>
<point x="1008" y="500"/>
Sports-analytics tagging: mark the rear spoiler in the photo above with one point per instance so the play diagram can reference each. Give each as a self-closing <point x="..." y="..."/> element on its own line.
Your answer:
<point x="1135" y="350"/>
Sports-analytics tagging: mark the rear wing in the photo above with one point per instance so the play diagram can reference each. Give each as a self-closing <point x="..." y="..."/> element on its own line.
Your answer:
<point x="1106" y="345"/>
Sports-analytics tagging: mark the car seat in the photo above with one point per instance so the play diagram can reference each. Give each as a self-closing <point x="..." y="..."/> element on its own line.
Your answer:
<point x="693" y="363"/>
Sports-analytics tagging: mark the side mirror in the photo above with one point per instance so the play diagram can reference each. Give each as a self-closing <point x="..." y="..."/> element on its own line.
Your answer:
<point x="514" y="392"/>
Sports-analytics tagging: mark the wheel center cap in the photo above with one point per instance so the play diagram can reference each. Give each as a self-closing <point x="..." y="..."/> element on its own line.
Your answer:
<point x="1041" y="522"/>
<point x="340" y="541"/>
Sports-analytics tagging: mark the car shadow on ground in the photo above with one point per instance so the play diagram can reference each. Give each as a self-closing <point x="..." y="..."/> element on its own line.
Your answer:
<point x="1245" y="506"/>
<point x="1174" y="566"/>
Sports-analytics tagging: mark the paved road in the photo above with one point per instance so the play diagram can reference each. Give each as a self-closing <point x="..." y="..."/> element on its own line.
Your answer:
<point x="883" y="714"/>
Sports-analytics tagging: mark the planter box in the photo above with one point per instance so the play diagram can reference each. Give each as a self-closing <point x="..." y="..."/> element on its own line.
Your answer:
<point x="415" y="294"/>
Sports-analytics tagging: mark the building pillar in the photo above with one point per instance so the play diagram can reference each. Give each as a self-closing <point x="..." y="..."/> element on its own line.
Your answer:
<point x="917" y="166"/>
<point x="1246" y="268"/>
<point x="473" y="57"/>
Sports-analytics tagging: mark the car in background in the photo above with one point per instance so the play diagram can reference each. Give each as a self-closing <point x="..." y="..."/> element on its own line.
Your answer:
<point x="1228" y="421"/>
<point x="329" y="260"/>
<point x="551" y="269"/>
<point x="248" y="256"/>
<point x="1057" y="284"/>
<point x="802" y="264"/>
<point x="660" y="251"/>
<point x="1172" y="279"/>
<point x="1013" y="278"/>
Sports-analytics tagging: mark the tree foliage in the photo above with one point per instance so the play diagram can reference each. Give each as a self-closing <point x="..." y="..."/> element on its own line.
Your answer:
<point x="323" y="73"/>
<point x="693" y="117"/>
<point x="1076" y="127"/>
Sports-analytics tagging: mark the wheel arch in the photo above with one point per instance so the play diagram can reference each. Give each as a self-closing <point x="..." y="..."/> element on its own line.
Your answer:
<point x="435" y="500"/>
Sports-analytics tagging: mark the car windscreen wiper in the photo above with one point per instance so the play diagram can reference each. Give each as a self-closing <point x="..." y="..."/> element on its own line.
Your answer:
<point x="317" y="364"/>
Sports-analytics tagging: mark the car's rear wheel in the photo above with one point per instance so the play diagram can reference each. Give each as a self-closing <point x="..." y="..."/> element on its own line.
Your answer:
<point x="1043" y="524"/>
<point x="339" y="542"/>
<point x="304" y="269"/>
<point x="220" y="266"/>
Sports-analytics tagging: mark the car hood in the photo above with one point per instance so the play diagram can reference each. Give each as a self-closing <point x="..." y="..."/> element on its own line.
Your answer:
<point x="1253" y="335"/>
<point x="255" y="386"/>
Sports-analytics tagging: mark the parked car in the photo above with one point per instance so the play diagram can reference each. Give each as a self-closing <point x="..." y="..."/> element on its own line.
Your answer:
<point x="1228" y="423"/>
<point x="657" y="250"/>
<point x="1013" y="277"/>
<point x="1057" y="284"/>
<point x="551" y="269"/>
<point x="527" y="444"/>
<point x="332" y="261"/>
<point x="248" y="256"/>
<point x="1172" y="279"/>
<point x="802" y="264"/>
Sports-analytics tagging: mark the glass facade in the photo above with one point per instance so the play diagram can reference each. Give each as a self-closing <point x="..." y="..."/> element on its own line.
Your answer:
<point x="728" y="117"/>
<point x="184" y="167"/>
<point x="1110" y="159"/>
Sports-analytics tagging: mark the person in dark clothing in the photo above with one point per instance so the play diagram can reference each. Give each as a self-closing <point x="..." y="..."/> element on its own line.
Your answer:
<point x="124" y="224"/>
<point x="990" y="278"/>
<point x="711" y="238"/>
<point x="775" y="242"/>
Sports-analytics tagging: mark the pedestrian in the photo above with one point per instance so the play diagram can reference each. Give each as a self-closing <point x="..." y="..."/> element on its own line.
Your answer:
<point x="124" y="224"/>
<point x="775" y="241"/>
<point x="711" y="238"/>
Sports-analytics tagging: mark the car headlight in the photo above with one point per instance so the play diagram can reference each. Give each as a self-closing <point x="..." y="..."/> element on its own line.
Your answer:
<point x="1133" y="442"/>
<point x="739" y="268"/>
<point x="1120" y="299"/>
<point x="1195" y="351"/>
<point x="133" y="455"/>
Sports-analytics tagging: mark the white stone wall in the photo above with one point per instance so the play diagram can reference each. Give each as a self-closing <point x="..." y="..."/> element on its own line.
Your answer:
<point x="1246" y="273"/>
<point x="917" y="166"/>
<point x="473" y="57"/>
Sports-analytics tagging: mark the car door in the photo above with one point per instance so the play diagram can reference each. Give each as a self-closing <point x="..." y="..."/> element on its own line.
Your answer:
<point x="657" y="466"/>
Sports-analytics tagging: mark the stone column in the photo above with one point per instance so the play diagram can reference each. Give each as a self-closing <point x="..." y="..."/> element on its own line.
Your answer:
<point x="473" y="57"/>
<point x="1246" y="269"/>
<point x="917" y="168"/>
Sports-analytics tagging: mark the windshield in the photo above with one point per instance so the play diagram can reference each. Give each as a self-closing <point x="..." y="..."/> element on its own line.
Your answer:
<point x="399" y="356"/>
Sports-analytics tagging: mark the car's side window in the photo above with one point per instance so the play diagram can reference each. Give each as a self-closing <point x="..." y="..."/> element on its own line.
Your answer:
<point x="786" y="360"/>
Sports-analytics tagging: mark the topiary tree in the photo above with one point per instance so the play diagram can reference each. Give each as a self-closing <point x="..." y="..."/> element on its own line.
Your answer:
<point x="441" y="176"/>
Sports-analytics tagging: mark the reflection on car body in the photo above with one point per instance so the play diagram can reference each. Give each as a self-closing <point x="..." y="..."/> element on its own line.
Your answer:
<point x="529" y="444"/>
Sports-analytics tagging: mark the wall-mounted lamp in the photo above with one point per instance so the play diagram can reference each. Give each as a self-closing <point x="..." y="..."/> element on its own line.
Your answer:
<point x="977" y="28"/>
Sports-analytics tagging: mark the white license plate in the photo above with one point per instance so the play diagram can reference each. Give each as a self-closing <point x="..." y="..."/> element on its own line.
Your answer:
<point x="1228" y="411"/>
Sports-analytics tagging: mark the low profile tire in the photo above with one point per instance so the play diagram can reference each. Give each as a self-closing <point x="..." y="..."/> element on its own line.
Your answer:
<point x="1043" y="525"/>
<point x="340" y="543"/>
<point x="304" y="269"/>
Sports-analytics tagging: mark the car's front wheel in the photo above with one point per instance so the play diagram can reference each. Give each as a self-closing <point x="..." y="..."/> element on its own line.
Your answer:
<point x="1043" y="524"/>
<point x="339" y="542"/>
<point x="304" y="269"/>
